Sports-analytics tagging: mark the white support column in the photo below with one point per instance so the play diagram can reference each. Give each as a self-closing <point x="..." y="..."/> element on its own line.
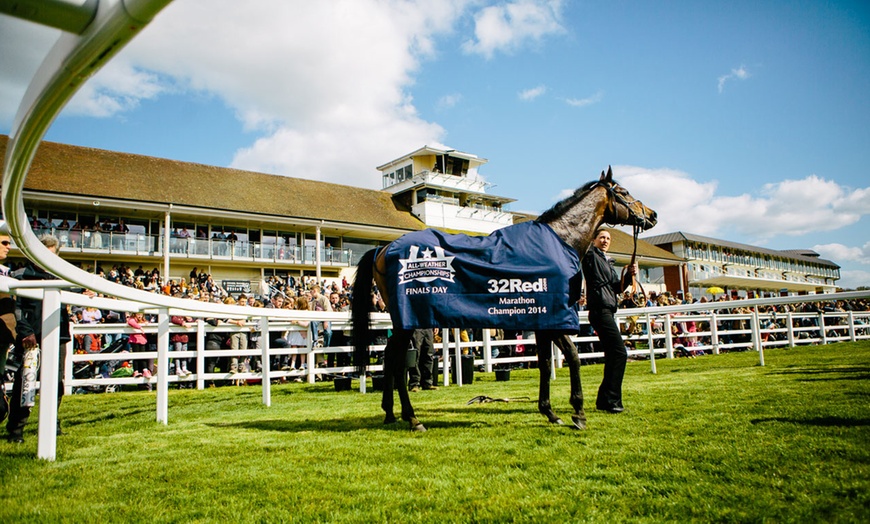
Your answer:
<point x="790" y="328"/>
<point x="48" y="379"/>
<point x="163" y="366"/>
<point x="265" y="362"/>
<point x="166" y="222"/>
<point x="317" y="253"/>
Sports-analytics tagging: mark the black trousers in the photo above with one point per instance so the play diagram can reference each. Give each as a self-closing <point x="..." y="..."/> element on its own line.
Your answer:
<point x="423" y="341"/>
<point x="615" y="357"/>
<point x="19" y="414"/>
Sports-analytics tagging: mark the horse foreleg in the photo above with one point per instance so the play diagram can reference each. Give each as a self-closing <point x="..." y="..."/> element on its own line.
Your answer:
<point x="398" y="346"/>
<point x="569" y="350"/>
<point x="545" y="358"/>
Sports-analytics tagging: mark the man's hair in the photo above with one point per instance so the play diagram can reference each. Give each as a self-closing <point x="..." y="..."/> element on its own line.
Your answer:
<point x="49" y="241"/>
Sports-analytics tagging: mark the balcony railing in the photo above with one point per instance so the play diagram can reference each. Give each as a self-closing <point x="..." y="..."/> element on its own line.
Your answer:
<point x="96" y="242"/>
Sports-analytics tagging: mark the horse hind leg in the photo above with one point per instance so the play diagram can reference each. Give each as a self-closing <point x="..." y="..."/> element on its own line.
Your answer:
<point x="545" y="357"/>
<point x="397" y="348"/>
<point x="569" y="350"/>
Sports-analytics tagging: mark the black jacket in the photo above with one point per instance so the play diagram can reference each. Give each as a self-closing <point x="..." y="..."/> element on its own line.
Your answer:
<point x="30" y="310"/>
<point x="603" y="284"/>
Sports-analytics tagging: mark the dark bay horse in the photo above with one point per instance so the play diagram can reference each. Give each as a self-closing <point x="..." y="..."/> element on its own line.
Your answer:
<point x="574" y="220"/>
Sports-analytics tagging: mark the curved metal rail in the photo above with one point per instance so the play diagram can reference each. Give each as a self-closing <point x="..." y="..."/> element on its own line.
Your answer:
<point x="72" y="60"/>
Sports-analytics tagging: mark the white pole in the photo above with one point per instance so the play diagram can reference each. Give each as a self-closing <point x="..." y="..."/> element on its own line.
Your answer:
<point x="458" y="363"/>
<point x="266" y="365"/>
<point x="163" y="366"/>
<point x="714" y="333"/>
<point x="487" y="351"/>
<point x="445" y="354"/>
<point x="200" y="353"/>
<point x="50" y="343"/>
<point x="756" y="336"/>
<point x="166" y="220"/>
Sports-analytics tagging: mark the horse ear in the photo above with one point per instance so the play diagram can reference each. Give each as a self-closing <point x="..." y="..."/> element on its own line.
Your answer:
<point x="609" y="175"/>
<point x="603" y="177"/>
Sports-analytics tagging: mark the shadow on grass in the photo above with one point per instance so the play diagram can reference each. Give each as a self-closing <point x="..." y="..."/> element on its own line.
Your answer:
<point x="816" y="374"/>
<point x="817" y="421"/>
<point x="335" y="425"/>
<point x="108" y="415"/>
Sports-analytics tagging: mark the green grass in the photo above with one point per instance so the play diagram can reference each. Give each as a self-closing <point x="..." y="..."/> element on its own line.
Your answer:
<point x="707" y="439"/>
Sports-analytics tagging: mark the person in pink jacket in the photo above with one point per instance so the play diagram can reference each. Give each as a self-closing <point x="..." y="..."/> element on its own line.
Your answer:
<point x="139" y="344"/>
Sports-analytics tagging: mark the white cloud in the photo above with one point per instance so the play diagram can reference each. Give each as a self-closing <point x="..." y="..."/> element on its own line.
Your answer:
<point x="790" y="207"/>
<point x="852" y="279"/>
<point x="24" y="46"/>
<point x="326" y="99"/>
<point x="509" y="26"/>
<point x="533" y="93"/>
<point x="583" y="102"/>
<point x="741" y="73"/>
<point x="842" y="253"/>
<point x="118" y="88"/>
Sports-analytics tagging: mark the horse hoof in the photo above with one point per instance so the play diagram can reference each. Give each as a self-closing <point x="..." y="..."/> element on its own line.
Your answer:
<point x="390" y="419"/>
<point x="418" y="428"/>
<point x="578" y="422"/>
<point x="557" y="421"/>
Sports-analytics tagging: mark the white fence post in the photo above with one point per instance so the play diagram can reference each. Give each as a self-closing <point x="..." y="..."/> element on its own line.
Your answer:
<point x="790" y="330"/>
<point x="48" y="379"/>
<point x="200" y="353"/>
<point x="822" y="329"/>
<point x="163" y="366"/>
<point x="445" y="355"/>
<point x="458" y="363"/>
<point x="714" y="333"/>
<point x="669" y="336"/>
<point x="756" y="335"/>
<point x="266" y="365"/>
<point x="851" y="315"/>
<point x="487" y="350"/>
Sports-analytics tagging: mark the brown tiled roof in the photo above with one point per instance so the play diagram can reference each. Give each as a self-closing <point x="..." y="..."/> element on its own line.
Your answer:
<point x="66" y="169"/>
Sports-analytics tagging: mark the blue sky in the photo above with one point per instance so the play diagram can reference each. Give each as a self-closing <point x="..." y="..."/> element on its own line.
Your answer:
<point x="746" y="121"/>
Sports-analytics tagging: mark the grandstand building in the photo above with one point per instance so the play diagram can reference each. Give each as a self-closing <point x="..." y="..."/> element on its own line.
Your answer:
<point x="110" y="208"/>
<point x="741" y="269"/>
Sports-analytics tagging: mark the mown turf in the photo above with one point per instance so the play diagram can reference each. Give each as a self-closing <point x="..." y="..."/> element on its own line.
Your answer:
<point x="707" y="439"/>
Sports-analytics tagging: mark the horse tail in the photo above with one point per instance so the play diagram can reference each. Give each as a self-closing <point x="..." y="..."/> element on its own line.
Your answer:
<point x="360" y="307"/>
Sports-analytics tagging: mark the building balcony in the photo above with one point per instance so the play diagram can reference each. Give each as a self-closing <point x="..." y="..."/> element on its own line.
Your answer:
<point x="96" y="243"/>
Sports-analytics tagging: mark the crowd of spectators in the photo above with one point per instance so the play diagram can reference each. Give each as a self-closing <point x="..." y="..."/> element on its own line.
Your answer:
<point x="734" y="333"/>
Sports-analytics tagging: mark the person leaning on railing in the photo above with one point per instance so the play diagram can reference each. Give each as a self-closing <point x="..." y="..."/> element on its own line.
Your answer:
<point x="7" y="321"/>
<point x="29" y="336"/>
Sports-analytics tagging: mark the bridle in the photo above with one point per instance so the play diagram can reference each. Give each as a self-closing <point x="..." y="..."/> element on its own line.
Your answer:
<point x="636" y="220"/>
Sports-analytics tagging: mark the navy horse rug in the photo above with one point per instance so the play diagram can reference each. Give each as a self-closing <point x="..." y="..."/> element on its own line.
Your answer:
<point x="522" y="277"/>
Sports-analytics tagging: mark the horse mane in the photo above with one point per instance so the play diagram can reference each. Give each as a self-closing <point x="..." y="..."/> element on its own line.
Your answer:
<point x="565" y="204"/>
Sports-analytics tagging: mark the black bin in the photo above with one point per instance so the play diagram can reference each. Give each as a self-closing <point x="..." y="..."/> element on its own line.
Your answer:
<point x="467" y="365"/>
<point x="341" y="383"/>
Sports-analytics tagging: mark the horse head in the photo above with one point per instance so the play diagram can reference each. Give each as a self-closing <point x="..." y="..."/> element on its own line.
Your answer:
<point x="622" y="208"/>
